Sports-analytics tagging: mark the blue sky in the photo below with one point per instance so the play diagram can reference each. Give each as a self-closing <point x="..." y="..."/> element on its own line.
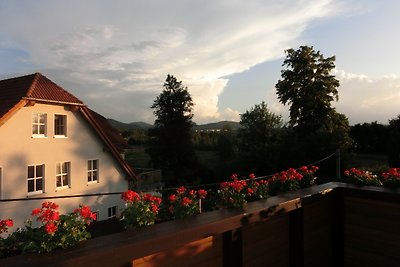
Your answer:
<point x="115" y="55"/>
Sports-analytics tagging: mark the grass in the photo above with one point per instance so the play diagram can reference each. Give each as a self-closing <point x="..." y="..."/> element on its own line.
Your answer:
<point x="137" y="157"/>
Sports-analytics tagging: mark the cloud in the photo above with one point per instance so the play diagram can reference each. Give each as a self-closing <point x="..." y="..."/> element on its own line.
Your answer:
<point x="366" y="99"/>
<point x="112" y="54"/>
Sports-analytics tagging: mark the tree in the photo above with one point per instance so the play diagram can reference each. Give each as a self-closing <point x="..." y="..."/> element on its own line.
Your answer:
<point x="171" y="147"/>
<point x="260" y="138"/>
<point x="309" y="88"/>
<point x="370" y="137"/>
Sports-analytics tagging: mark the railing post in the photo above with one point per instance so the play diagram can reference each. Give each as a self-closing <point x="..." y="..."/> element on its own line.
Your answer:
<point x="296" y="237"/>
<point x="232" y="248"/>
<point x="338" y="167"/>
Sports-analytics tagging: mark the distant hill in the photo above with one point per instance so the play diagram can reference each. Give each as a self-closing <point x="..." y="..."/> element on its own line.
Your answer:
<point x="121" y="126"/>
<point x="129" y="126"/>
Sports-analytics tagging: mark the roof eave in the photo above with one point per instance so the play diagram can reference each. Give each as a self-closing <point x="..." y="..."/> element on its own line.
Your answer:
<point x="131" y="175"/>
<point x="12" y="111"/>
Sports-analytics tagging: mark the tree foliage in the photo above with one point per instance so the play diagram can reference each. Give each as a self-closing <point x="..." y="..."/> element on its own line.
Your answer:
<point x="260" y="138"/>
<point x="370" y="137"/>
<point x="308" y="87"/>
<point x="259" y="125"/>
<point x="171" y="147"/>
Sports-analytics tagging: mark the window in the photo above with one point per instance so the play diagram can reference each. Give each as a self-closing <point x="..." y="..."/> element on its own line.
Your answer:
<point x="39" y="124"/>
<point x="62" y="174"/>
<point x="93" y="172"/>
<point x="35" y="178"/>
<point x="112" y="212"/>
<point x="60" y="125"/>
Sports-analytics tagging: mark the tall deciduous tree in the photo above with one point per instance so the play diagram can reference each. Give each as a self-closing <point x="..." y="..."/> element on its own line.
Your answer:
<point x="171" y="147"/>
<point x="308" y="86"/>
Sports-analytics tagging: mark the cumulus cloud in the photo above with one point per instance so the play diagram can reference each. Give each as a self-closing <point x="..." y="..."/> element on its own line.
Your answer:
<point x="108" y="54"/>
<point x="366" y="99"/>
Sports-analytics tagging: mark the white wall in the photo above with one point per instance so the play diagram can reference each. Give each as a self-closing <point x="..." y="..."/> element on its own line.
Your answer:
<point x="18" y="149"/>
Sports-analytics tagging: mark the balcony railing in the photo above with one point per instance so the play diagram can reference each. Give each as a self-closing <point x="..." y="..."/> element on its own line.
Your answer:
<point x="333" y="224"/>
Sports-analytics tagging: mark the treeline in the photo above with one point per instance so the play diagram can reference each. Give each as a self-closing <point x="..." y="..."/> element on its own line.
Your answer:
<point x="376" y="138"/>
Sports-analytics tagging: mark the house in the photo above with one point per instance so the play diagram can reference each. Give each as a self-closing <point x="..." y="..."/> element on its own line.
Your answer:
<point x="54" y="148"/>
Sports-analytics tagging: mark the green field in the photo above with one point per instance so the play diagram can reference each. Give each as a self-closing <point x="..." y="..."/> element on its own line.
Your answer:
<point x="371" y="162"/>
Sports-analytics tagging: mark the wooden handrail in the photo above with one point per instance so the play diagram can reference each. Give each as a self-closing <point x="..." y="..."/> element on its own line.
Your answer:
<point x="121" y="248"/>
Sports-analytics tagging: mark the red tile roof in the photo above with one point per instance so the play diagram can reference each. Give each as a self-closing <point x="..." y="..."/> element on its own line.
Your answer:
<point x="17" y="92"/>
<point x="34" y="87"/>
<point x="44" y="89"/>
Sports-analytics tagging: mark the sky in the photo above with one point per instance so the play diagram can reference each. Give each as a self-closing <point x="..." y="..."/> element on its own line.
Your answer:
<point x="115" y="55"/>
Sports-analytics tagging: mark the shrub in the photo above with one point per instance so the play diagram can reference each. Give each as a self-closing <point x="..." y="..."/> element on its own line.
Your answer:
<point x="391" y="178"/>
<point x="233" y="194"/>
<point x="185" y="202"/>
<point x="141" y="209"/>
<point x="360" y="177"/>
<point x="56" y="231"/>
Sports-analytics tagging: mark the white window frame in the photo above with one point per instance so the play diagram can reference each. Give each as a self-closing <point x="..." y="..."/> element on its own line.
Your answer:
<point x="92" y="173"/>
<point x="65" y="171"/>
<point x="35" y="178"/>
<point x="112" y="212"/>
<point x="63" y="126"/>
<point x="36" y="121"/>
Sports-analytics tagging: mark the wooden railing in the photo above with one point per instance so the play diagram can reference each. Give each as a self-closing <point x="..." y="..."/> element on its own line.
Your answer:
<point x="333" y="224"/>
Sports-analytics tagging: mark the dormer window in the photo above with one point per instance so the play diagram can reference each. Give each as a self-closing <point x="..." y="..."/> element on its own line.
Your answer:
<point x="39" y="121"/>
<point x="60" y="125"/>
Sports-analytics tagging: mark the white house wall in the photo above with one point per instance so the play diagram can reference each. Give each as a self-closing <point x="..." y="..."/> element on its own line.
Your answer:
<point x="19" y="149"/>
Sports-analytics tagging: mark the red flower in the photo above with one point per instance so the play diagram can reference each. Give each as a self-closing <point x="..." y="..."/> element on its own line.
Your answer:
<point x="224" y="184"/>
<point x="130" y="196"/>
<point x="147" y="197"/>
<point x="4" y="224"/>
<point x="192" y="193"/>
<point x="250" y="191"/>
<point x="234" y="176"/>
<point x="36" y="211"/>
<point x="154" y="208"/>
<point x="303" y="169"/>
<point x="51" y="228"/>
<point x="252" y="176"/>
<point x="157" y="200"/>
<point x="9" y="223"/>
<point x="181" y="190"/>
<point x="54" y="216"/>
<point x="85" y="212"/>
<point x="172" y="198"/>
<point x="202" y="193"/>
<point x="93" y="216"/>
<point x="186" y="201"/>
